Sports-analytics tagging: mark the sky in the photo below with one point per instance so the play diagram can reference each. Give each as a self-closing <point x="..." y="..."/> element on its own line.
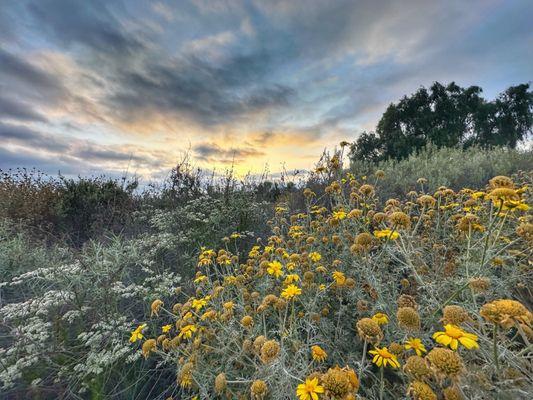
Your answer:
<point x="109" y="86"/>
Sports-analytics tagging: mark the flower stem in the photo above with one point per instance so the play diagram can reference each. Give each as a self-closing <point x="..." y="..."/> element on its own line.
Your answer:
<point x="381" y="384"/>
<point x="495" y="349"/>
<point x="365" y="344"/>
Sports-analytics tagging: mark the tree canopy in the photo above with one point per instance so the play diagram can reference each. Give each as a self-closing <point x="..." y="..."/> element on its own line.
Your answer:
<point x="448" y="116"/>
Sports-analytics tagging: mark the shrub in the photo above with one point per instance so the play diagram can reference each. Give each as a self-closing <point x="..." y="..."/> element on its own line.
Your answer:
<point x="29" y="196"/>
<point x="89" y="206"/>
<point x="336" y="302"/>
<point x="64" y="323"/>
<point x="455" y="168"/>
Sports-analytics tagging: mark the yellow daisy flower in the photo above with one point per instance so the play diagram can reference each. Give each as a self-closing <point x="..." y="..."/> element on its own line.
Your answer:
<point x="137" y="333"/>
<point x="383" y="357"/>
<point x="386" y="234"/>
<point x="187" y="331"/>
<point x="275" y="269"/>
<point x="309" y="390"/>
<point x="318" y="353"/>
<point x="381" y="318"/>
<point x="417" y="345"/>
<point x="453" y="336"/>
<point x="290" y="292"/>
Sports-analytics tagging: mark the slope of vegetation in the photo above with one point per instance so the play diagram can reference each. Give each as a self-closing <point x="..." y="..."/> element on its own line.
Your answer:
<point x="249" y="290"/>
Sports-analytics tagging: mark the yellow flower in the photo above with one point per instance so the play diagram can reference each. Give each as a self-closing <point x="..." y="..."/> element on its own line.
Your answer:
<point x="198" y="304"/>
<point x="274" y="268"/>
<point x="322" y="287"/>
<point x="166" y="328"/>
<point x="381" y="318"/>
<point x="155" y="307"/>
<point x="515" y="205"/>
<point x="315" y="257"/>
<point x="291" y="278"/>
<point x="340" y="278"/>
<point x="386" y="234"/>
<point x="137" y="333"/>
<point x="382" y="357"/>
<point x="187" y="331"/>
<point x="417" y="345"/>
<point x="339" y="215"/>
<point x="200" y="278"/>
<point x="309" y="390"/>
<point x="453" y="335"/>
<point x="318" y="353"/>
<point x="291" y="291"/>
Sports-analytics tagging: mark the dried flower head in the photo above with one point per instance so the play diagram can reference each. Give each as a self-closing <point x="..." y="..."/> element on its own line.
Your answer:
<point x="366" y="189"/>
<point x="400" y="219"/>
<point x="525" y="231"/>
<point x="445" y="362"/>
<point x="155" y="307"/>
<point x="149" y="346"/>
<point x="480" y="284"/>
<point x="269" y="351"/>
<point x="258" y="390"/>
<point x="364" y="239"/>
<point x="408" y="318"/>
<point x="369" y="330"/>
<point x="247" y="321"/>
<point x="506" y="313"/>
<point x="421" y="391"/>
<point x="452" y="393"/>
<point x="501" y="181"/>
<point x="406" y="300"/>
<point x="417" y="367"/>
<point x="455" y="315"/>
<point x="220" y="383"/>
<point x="340" y="382"/>
<point x="426" y="201"/>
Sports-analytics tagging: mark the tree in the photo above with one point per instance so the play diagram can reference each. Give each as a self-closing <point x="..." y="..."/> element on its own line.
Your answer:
<point x="448" y="116"/>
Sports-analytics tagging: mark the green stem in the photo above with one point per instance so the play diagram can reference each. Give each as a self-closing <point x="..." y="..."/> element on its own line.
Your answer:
<point x="365" y="344"/>
<point x="382" y="383"/>
<point x="495" y="349"/>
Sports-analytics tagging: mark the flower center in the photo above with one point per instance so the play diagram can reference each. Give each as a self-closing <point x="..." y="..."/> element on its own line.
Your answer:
<point x="454" y="332"/>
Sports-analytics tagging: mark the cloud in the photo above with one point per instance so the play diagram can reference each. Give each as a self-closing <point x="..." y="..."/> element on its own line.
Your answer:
<point x="246" y="80"/>
<point x="214" y="153"/>
<point x="21" y="77"/>
<point x="198" y="91"/>
<point x="28" y="137"/>
<point x="13" y="109"/>
<point x="90" y="23"/>
<point x="40" y="146"/>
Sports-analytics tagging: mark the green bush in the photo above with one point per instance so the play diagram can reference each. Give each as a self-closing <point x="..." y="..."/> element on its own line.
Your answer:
<point x="451" y="167"/>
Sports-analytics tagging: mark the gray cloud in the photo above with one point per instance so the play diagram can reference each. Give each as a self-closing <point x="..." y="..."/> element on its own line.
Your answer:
<point x="69" y="151"/>
<point x="90" y="23"/>
<point x="97" y="153"/>
<point x="213" y="152"/>
<point x="206" y="93"/>
<point x="29" y="82"/>
<point x="28" y="137"/>
<point x="14" y="109"/>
